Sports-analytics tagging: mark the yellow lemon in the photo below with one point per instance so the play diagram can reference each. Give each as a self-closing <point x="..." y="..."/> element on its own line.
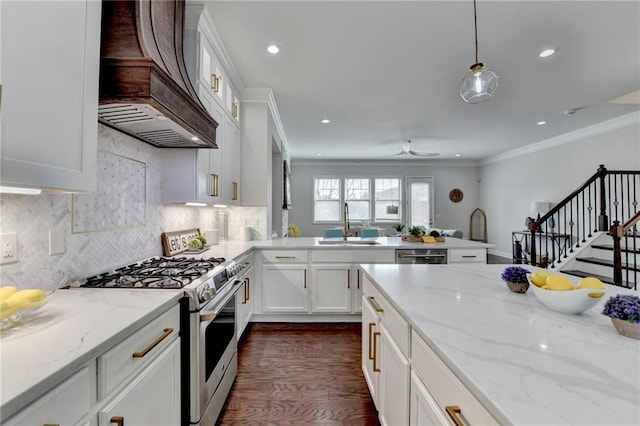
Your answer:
<point x="539" y="278"/>
<point x="591" y="282"/>
<point x="7" y="309"/>
<point x="559" y="283"/>
<point x="28" y="298"/>
<point x="7" y="291"/>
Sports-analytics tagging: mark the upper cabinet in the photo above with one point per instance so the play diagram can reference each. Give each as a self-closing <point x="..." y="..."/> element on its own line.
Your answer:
<point x="49" y="76"/>
<point x="210" y="176"/>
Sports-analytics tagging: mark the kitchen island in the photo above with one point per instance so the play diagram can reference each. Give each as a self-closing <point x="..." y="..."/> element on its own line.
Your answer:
<point x="524" y="363"/>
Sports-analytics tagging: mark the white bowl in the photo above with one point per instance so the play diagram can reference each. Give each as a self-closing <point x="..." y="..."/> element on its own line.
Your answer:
<point x="568" y="301"/>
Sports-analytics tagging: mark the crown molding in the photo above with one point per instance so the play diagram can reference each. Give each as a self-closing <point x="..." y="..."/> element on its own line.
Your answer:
<point x="593" y="130"/>
<point x="396" y="163"/>
<point x="265" y="95"/>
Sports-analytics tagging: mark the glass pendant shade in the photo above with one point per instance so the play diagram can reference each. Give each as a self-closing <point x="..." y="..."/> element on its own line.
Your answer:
<point x="479" y="84"/>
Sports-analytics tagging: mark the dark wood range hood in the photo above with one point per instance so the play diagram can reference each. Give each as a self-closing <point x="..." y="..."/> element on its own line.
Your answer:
<point x="145" y="90"/>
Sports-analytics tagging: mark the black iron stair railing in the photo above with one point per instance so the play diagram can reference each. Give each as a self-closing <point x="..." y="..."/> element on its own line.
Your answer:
<point x="628" y="231"/>
<point x="607" y="196"/>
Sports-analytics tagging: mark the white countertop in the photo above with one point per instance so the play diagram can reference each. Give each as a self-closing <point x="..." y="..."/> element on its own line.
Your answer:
<point x="525" y="363"/>
<point x="71" y="329"/>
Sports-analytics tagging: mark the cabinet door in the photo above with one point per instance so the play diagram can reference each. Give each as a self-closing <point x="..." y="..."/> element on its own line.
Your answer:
<point x="331" y="288"/>
<point x="370" y="349"/>
<point x="424" y="409"/>
<point x="244" y="304"/>
<point x="50" y="68"/>
<point x="284" y="288"/>
<point x="394" y="382"/>
<point x="152" y="398"/>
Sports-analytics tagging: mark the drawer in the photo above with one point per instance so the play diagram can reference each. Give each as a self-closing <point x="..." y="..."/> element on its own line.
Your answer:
<point x="468" y="256"/>
<point x="285" y="256"/>
<point x="394" y="323"/>
<point x="353" y="256"/>
<point x="66" y="404"/>
<point x="444" y="385"/>
<point x="131" y="355"/>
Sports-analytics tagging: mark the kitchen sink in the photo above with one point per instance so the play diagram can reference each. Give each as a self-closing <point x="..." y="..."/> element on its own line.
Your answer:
<point x="341" y="242"/>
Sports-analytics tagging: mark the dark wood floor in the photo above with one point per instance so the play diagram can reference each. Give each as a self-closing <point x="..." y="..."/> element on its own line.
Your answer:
<point x="299" y="374"/>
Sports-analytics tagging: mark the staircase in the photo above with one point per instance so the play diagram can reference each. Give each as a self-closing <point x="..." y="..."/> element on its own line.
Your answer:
<point x="596" y="260"/>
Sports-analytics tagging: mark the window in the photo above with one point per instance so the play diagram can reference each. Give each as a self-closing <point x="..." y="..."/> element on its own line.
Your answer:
<point x="387" y="200"/>
<point x="326" y="200"/>
<point x="420" y="197"/>
<point x="357" y="194"/>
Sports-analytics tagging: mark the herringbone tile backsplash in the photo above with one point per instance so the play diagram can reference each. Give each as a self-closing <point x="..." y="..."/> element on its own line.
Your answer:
<point x="31" y="217"/>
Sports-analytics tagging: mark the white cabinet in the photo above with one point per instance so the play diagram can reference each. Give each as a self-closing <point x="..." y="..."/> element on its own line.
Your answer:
<point x="152" y="397"/>
<point x="385" y="362"/>
<point x="66" y="404"/>
<point x="467" y="255"/>
<point x="244" y="297"/>
<point x="50" y="68"/>
<point x="187" y="176"/>
<point x="284" y="288"/>
<point x="331" y="288"/>
<point x="424" y="409"/>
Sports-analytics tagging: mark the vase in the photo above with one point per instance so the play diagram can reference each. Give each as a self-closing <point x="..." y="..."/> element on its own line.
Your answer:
<point x="518" y="287"/>
<point x="627" y="329"/>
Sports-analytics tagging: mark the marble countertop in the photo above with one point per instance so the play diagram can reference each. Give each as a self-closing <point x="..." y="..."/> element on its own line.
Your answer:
<point x="232" y="249"/>
<point x="525" y="363"/>
<point x="70" y="330"/>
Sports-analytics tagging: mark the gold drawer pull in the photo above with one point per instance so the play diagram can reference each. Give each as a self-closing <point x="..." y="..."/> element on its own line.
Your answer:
<point x="371" y="325"/>
<point x="285" y="257"/>
<point x="119" y="420"/>
<point x="164" y="335"/>
<point x="469" y="255"/>
<point x="375" y="352"/>
<point x="348" y="278"/>
<point x="51" y="424"/>
<point x="214" y="185"/>
<point x="454" y="411"/>
<point x="375" y="305"/>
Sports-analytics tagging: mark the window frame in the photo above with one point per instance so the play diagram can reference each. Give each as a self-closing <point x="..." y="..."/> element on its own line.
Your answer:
<point x="340" y="198"/>
<point x="401" y="210"/>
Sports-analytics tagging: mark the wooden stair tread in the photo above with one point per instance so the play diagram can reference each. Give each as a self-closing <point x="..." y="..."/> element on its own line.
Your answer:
<point x="610" y="248"/>
<point x="607" y="262"/>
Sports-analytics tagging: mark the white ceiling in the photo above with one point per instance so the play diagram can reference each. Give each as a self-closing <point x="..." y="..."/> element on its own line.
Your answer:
<point x="387" y="71"/>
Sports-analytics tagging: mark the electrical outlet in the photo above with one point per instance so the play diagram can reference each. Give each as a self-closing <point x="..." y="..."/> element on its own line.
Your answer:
<point x="8" y="248"/>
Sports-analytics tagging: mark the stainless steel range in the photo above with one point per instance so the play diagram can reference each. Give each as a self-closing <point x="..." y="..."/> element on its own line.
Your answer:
<point x="210" y="285"/>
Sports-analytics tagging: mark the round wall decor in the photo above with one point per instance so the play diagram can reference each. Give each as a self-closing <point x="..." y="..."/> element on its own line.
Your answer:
<point x="456" y="195"/>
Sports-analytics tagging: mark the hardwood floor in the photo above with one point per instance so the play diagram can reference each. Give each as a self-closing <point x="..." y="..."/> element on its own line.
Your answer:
<point x="299" y="374"/>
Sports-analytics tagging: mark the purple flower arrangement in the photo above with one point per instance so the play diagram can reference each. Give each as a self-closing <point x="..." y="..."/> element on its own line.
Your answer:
<point x="625" y="307"/>
<point x="515" y="274"/>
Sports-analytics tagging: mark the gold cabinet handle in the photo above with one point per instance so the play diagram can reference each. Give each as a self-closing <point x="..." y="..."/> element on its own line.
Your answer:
<point x="469" y="255"/>
<point x="348" y="278"/>
<point x="285" y="257"/>
<point x="371" y="325"/>
<point x="214" y="185"/>
<point x="166" y="332"/>
<point x="234" y="191"/>
<point x="375" y="352"/>
<point x="358" y="278"/>
<point x="215" y="83"/>
<point x="119" y="420"/>
<point x="51" y="424"/>
<point x="234" y="109"/>
<point x="454" y="411"/>
<point x="375" y="305"/>
<point x="248" y="288"/>
<point x="305" y="278"/>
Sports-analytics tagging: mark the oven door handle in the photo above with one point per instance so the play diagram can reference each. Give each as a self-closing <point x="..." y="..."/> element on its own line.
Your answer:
<point x="209" y="315"/>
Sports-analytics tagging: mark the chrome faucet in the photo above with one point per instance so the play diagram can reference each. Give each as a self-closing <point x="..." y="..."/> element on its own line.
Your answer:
<point x="345" y="225"/>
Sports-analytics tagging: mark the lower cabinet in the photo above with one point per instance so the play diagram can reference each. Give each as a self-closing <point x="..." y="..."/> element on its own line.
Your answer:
<point x="66" y="404"/>
<point x="393" y="391"/>
<point x="152" y="398"/>
<point x="370" y="351"/>
<point x="244" y="303"/>
<point x="284" y="288"/>
<point x="331" y="288"/>
<point x="424" y="409"/>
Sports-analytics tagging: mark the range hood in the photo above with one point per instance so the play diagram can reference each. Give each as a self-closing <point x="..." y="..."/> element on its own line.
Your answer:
<point x="145" y="90"/>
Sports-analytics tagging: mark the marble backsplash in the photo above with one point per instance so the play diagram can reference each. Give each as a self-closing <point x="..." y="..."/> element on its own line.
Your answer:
<point x="90" y="253"/>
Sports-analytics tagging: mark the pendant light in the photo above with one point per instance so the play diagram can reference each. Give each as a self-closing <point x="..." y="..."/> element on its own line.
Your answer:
<point x="480" y="83"/>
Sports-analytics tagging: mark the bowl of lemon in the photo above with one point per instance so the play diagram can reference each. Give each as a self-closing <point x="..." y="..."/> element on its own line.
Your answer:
<point x="558" y="293"/>
<point x="16" y="305"/>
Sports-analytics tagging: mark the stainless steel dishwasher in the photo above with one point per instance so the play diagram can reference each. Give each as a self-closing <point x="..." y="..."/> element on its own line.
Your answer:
<point x="417" y="256"/>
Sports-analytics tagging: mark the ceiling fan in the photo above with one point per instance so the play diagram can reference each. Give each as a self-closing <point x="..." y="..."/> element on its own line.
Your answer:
<point x="407" y="151"/>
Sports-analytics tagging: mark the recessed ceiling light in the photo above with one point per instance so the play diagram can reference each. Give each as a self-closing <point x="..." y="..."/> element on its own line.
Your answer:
<point x="194" y="138"/>
<point x="547" y="52"/>
<point x="541" y="123"/>
<point x="458" y="155"/>
<point x="325" y="121"/>
<point x="318" y="155"/>
<point x="273" y="49"/>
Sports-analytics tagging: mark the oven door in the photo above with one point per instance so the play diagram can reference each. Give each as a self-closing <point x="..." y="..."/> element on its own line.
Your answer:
<point x="215" y="349"/>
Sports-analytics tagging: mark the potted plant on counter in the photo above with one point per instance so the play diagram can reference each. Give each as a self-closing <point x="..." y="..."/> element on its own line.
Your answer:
<point x="398" y="227"/>
<point x="516" y="279"/>
<point x="624" y="311"/>
<point x="415" y="234"/>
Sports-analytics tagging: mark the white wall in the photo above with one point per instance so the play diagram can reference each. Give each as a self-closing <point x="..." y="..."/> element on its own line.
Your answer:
<point x="551" y="170"/>
<point x="446" y="176"/>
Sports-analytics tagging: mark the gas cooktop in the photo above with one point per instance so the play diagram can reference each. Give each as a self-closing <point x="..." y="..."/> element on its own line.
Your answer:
<point x="157" y="272"/>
